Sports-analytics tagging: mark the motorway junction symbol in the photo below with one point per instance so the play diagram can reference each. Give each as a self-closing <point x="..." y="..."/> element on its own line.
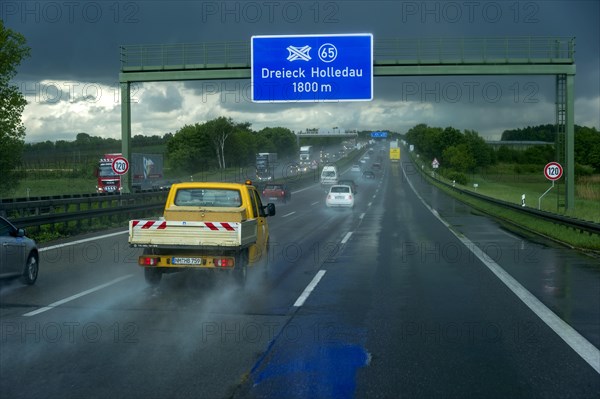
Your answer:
<point x="312" y="68"/>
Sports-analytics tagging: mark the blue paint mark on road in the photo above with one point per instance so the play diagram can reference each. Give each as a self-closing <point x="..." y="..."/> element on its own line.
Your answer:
<point x="327" y="370"/>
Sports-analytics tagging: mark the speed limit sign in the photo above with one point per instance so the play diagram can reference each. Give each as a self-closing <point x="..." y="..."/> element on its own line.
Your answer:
<point x="120" y="165"/>
<point x="553" y="171"/>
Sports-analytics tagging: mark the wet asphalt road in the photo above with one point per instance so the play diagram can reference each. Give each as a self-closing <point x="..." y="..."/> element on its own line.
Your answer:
<point x="400" y="307"/>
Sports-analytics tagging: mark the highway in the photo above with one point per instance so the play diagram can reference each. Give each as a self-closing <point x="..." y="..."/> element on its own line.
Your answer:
<point x="410" y="294"/>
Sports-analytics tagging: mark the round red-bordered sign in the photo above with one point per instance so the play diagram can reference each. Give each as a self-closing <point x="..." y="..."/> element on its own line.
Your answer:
<point x="120" y="165"/>
<point x="553" y="171"/>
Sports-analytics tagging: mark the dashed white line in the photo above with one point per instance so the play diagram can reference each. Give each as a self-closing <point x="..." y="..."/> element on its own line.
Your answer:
<point x="362" y="215"/>
<point x="309" y="288"/>
<point x="73" y="297"/>
<point x="374" y="196"/>
<point x="288" y="214"/>
<point x="369" y="204"/>
<point x="346" y="237"/>
<point x="315" y="203"/>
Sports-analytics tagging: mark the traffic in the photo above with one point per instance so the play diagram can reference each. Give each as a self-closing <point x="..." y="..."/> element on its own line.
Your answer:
<point x="315" y="304"/>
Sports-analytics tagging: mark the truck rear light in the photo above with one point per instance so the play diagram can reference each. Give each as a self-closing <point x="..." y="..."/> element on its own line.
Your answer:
<point x="148" y="261"/>
<point x="223" y="262"/>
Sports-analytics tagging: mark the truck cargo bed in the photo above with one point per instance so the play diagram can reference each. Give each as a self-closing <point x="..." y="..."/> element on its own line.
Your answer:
<point x="185" y="234"/>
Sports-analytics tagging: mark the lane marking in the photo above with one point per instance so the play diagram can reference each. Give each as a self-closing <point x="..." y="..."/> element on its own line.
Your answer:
<point x="66" y="244"/>
<point x="289" y="214"/>
<point x="309" y="288"/>
<point x="584" y="348"/>
<point x="362" y="215"/>
<point x="374" y="196"/>
<point x="346" y="237"/>
<point x="73" y="297"/>
<point x="315" y="203"/>
<point x="369" y="204"/>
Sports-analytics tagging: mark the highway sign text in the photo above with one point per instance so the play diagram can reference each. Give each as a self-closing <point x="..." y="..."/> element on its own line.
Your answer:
<point x="312" y="68"/>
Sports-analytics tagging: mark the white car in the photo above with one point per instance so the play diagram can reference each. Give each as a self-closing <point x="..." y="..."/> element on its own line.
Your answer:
<point x="340" y="196"/>
<point x="355" y="168"/>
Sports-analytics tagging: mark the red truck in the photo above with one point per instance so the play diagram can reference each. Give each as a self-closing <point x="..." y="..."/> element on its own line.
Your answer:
<point x="146" y="172"/>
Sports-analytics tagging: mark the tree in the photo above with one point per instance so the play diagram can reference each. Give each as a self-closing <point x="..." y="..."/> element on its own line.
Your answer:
<point x="13" y="50"/>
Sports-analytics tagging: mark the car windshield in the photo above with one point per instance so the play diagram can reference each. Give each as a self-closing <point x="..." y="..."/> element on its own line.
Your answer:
<point x="208" y="197"/>
<point x="340" y="189"/>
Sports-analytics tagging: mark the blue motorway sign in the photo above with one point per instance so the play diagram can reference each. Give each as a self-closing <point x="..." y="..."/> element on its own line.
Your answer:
<point x="378" y="134"/>
<point x="312" y="68"/>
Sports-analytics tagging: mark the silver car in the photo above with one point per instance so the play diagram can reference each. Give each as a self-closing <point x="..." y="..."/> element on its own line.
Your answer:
<point x="18" y="254"/>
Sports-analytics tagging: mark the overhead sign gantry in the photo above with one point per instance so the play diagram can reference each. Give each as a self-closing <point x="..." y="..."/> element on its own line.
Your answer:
<point x="391" y="57"/>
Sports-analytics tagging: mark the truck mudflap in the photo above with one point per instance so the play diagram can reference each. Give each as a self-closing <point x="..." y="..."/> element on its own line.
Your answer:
<point x="158" y="233"/>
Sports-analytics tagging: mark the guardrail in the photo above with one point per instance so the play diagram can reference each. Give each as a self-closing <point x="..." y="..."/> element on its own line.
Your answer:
<point x="576" y="224"/>
<point x="51" y="210"/>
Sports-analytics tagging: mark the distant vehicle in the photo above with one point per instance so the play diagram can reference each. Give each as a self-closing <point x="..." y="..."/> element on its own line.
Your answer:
<point x="18" y="254"/>
<point x="367" y="174"/>
<point x="329" y="175"/>
<point x="355" y="168"/>
<point x="376" y="167"/>
<point x="395" y="154"/>
<point x="277" y="192"/>
<point x="349" y="182"/>
<point x="340" y="196"/>
<point x="265" y="165"/>
<point x="146" y="171"/>
<point x="308" y="158"/>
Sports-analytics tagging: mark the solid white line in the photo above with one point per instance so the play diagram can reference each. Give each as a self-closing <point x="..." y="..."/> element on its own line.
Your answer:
<point x="315" y="203"/>
<point x="362" y="215"/>
<point x="73" y="297"/>
<point x="346" y="237"/>
<point x="586" y="350"/>
<point x="289" y="214"/>
<point x="66" y="244"/>
<point x="309" y="288"/>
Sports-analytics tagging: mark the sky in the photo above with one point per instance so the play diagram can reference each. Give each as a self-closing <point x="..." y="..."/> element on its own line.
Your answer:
<point x="71" y="78"/>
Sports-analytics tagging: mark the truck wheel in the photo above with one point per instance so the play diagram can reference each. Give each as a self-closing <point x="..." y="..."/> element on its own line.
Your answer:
<point x="152" y="276"/>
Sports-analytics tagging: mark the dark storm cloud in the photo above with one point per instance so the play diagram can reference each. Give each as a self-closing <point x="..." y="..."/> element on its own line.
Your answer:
<point x="79" y="42"/>
<point x="156" y="100"/>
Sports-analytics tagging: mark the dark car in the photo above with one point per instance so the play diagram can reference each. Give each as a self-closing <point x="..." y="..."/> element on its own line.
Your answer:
<point x="277" y="192"/>
<point x="18" y="254"/>
<point x="367" y="174"/>
<point x="348" y="182"/>
<point x="376" y="167"/>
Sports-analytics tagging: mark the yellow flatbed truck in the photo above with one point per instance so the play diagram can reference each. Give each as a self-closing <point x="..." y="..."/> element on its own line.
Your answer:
<point x="211" y="226"/>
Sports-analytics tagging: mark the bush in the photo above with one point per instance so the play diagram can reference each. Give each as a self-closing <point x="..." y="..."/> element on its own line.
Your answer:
<point x="583" y="170"/>
<point x="458" y="177"/>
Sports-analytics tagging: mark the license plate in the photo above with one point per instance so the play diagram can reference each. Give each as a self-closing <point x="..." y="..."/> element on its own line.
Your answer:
<point x="273" y="198"/>
<point x="339" y="197"/>
<point x="186" y="261"/>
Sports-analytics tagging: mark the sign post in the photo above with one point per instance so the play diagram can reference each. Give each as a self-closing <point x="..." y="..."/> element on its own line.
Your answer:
<point x="553" y="171"/>
<point x="120" y="166"/>
<point x="312" y="68"/>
